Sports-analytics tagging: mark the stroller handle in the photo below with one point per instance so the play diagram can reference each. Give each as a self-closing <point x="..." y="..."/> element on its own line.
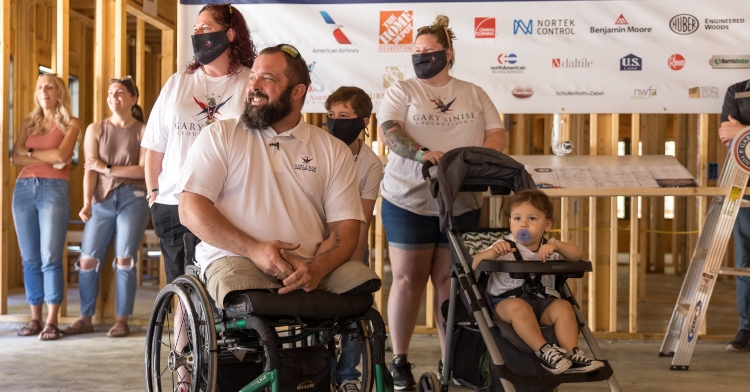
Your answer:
<point x="426" y="170"/>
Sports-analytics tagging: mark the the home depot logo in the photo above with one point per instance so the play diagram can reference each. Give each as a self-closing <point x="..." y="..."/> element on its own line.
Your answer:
<point x="396" y="31"/>
<point x="484" y="27"/>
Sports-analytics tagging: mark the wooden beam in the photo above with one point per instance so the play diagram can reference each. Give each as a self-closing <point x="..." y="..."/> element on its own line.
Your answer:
<point x="140" y="59"/>
<point x="168" y="64"/>
<point x="160" y="23"/>
<point x="635" y="137"/>
<point x="5" y="185"/>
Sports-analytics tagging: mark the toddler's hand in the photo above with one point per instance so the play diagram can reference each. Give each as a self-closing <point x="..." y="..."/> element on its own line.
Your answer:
<point x="502" y="248"/>
<point x="546" y="250"/>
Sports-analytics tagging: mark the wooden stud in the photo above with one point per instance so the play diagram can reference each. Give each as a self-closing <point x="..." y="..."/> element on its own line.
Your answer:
<point x="635" y="137"/>
<point x="5" y="187"/>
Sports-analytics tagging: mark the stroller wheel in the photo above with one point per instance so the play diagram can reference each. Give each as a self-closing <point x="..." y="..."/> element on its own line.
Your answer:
<point x="429" y="383"/>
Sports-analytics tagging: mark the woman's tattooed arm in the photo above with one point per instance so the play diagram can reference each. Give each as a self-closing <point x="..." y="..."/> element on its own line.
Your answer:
<point x="398" y="141"/>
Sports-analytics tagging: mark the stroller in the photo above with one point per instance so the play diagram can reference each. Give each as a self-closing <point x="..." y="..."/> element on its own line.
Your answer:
<point x="482" y="352"/>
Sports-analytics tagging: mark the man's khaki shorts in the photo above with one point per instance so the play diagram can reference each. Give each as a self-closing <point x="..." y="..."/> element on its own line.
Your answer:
<point x="235" y="273"/>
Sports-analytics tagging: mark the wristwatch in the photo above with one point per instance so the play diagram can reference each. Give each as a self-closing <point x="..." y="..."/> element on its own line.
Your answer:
<point x="421" y="152"/>
<point x="109" y="169"/>
<point x="29" y="152"/>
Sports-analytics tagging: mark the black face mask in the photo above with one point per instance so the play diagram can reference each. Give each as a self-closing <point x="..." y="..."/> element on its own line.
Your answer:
<point x="427" y="65"/>
<point x="346" y="129"/>
<point x="208" y="47"/>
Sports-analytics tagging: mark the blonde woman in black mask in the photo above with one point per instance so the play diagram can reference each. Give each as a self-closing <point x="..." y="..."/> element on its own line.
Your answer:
<point x="211" y="88"/>
<point x="419" y="119"/>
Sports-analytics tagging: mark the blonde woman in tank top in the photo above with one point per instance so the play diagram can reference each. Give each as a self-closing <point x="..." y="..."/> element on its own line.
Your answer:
<point x="41" y="200"/>
<point x="114" y="205"/>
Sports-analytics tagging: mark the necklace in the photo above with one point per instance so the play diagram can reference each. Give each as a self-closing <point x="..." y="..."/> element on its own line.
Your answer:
<point x="358" y="150"/>
<point x="211" y="107"/>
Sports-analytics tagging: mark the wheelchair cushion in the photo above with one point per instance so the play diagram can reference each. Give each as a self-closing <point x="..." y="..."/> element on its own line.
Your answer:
<point x="316" y="305"/>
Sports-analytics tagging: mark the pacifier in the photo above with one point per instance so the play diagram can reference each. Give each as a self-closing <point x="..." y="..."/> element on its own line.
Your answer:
<point x="523" y="235"/>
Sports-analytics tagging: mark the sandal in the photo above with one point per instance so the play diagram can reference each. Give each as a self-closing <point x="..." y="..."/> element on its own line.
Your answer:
<point x="32" y="328"/>
<point x="119" y="330"/>
<point x="50" y="332"/>
<point x="78" y="328"/>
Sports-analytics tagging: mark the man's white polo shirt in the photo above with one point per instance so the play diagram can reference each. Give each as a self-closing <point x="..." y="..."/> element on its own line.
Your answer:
<point x="273" y="187"/>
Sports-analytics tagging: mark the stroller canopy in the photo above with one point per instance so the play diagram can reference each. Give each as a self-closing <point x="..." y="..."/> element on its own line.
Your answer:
<point x="476" y="166"/>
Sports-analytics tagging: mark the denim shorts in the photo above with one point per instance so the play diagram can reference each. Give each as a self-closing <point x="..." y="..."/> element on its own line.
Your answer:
<point x="409" y="231"/>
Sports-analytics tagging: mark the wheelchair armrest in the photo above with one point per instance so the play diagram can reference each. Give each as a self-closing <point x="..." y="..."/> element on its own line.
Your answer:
<point x="573" y="269"/>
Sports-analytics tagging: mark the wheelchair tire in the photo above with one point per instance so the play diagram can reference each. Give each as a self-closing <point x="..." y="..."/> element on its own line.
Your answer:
<point x="362" y="336"/>
<point x="162" y="358"/>
<point x="429" y="383"/>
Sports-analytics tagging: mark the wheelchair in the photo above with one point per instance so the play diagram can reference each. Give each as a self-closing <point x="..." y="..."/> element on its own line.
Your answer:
<point x="260" y="340"/>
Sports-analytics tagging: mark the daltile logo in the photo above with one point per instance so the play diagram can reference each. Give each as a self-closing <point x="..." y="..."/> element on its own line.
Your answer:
<point x="729" y="62"/>
<point x="393" y="74"/>
<point x="396" y="31"/>
<point x="631" y="62"/>
<point x="484" y="27"/>
<point x="676" y="62"/>
<point x="572" y="63"/>
<point x="684" y="24"/>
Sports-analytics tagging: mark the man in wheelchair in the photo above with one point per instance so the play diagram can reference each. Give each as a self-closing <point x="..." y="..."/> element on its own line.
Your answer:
<point x="526" y="305"/>
<point x="275" y="203"/>
<point x="273" y="199"/>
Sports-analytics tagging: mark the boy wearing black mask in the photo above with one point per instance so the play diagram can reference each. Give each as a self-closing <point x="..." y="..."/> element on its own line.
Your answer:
<point x="349" y="110"/>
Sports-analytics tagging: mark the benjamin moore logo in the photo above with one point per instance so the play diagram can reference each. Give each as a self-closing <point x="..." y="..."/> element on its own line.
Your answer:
<point x="337" y="33"/>
<point x="484" y="27"/>
<point x="729" y="62"/>
<point x="684" y="24"/>
<point x="572" y="63"/>
<point x="676" y="62"/>
<point x="621" y="26"/>
<point x="526" y="28"/>
<point x="631" y="62"/>
<point x="643" y="93"/>
<point x="396" y="31"/>
<point x="507" y="64"/>
<point x="393" y="74"/>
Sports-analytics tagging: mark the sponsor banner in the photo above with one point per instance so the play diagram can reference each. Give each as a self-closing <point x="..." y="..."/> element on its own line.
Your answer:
<point x="649" y="56"/>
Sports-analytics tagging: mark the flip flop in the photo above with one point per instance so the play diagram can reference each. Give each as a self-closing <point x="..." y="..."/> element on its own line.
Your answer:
<point x="50" y="332"/>
<point x="32" y="328"/>
<point x="119" y="330"/>
<point x="78" y="328"/>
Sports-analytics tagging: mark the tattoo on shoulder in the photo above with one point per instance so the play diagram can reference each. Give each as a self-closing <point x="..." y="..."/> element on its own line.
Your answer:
<point x="398" y="141"/>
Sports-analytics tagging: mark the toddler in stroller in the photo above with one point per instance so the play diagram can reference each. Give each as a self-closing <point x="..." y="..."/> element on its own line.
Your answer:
<point x="530" y="214"/>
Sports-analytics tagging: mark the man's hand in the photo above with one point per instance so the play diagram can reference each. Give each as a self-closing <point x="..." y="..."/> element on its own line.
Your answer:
<point x="306" y="275"/>
<point x="729" y="129"/>
<point x="267" y="257"/>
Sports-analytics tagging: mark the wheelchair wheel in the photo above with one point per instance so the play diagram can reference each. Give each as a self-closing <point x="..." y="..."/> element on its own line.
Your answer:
<point x="181" y="356"/>
<point x="429" y="383"/>
<point x="355" y="354"/>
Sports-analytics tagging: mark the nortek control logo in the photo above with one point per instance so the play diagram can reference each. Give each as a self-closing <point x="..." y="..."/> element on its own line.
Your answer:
<point x="484" y="27"/>
<point x="507" y="64"/>
<point x="545" y="26"/>
<point x="684" y="24"/>
<point x="572" y="63"/>
<point x="676" y="62"/>
<point x="396" y="31"/>
<point x="631" y="62"/>
<point x="621" y="26"/>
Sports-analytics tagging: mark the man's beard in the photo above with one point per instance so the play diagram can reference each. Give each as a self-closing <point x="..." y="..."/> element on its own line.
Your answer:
<point x="263" y="116"/>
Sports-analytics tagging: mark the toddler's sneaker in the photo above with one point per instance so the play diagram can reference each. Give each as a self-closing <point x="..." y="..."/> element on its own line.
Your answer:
<point x="582" y="363"/>
<point x="349" y="386"/>
<point x="553" y="358"/>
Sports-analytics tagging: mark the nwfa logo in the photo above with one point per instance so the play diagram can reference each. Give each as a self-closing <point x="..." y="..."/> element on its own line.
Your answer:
<point x="643" y="93"/>
<point x="484" y="27"/>
<point x="684" y="24"/>
<point x="526" y="28"/>
<point x="631" y="62"/>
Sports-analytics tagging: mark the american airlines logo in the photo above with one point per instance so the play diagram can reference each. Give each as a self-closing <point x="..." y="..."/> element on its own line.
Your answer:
<point x="338" y="34"/>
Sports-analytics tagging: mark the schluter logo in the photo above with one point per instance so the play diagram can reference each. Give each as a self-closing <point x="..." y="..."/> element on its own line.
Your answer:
<point x="396" y="31"/>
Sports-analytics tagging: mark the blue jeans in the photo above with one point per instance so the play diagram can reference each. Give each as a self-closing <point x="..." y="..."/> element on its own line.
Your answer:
<point x="123" y="215"/>
<point x="41" y="211"/>
<point x="742" y="260"/>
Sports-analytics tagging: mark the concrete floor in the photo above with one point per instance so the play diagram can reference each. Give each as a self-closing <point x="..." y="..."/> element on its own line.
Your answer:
<point x="95" y="362"/>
